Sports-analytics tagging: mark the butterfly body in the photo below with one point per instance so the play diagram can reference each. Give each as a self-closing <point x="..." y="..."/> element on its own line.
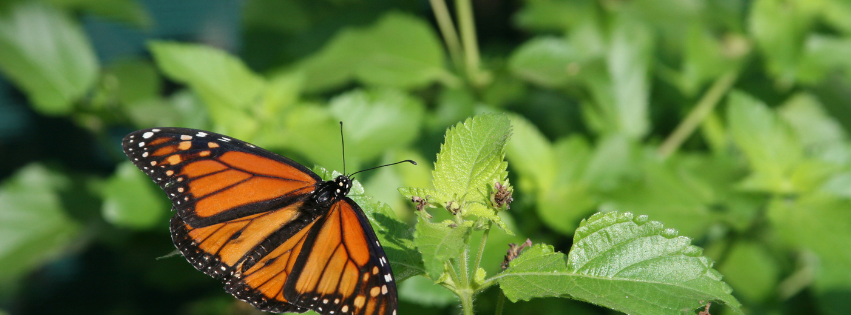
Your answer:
<point x="276" y="234"/>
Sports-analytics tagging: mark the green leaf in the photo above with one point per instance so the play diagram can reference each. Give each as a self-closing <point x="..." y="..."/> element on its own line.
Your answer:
<point x="485" y="212"/>
<point x="611" y="161"/>
<point x="768" y="143"/>
<point x="395" y="236"/>
<point x="47" y="55"/>
<point x="838" y="15"/>
<point x="553" y="173"/>
<point x="570" y="197"/>
<point x="823" y="56"/>
<point x="621" y="93"/>
<point x="128" y="11"/>
<point x="137" y="80"/>
<point x="183" y="108"/>
<point x="708" y="57"/>
<point x="225" y="84"/>
<point x="619" y="261"/>
<point x="531" y="155"/>
<point x="822" y="224"/>
<point x="374" y="121"/>
<point x="377" y="120"/>
<point x="130" y="199"/>
<point x="33" y="225"/>
<point x="385" y="182"/>
<point x="553" y="15"/>
<point x="813" y="126"/>
<point x="397" y="51"/>
<point x="665" y="192"/>
<point x="779" y="27"/>
<point x="471" y="158"/>
<point x="751" y="270"/>
<point x="282" y="92"/>
<point x="547" y="61"/>
<point x="425" y="193"/>
<point x="422" y="291"/>
<point x="439" y="242"/>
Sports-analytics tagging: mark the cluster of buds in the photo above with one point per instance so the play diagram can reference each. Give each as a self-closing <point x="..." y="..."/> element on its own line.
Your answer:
<point x="514" y="251"/>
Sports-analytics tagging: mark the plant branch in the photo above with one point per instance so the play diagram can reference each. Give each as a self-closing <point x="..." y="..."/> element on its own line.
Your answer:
<point x="703" y="108"/>
<point x="450" y="35"/>
<point x="500" y="302"/>
<point x="466" y="296"/>
<point x="466" y="23"/>
<point x="482" y="247"/>
<point x="462" y="264"/>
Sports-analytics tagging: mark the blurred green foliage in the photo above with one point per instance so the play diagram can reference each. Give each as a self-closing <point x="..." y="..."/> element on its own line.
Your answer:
<point x="727" y="121"/>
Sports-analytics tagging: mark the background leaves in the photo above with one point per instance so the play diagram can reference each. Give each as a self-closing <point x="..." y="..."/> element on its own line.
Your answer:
<point x="756" y="93"/>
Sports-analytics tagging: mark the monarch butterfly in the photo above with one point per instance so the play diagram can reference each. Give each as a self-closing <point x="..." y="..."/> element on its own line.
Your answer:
<point x="278" y="236"/>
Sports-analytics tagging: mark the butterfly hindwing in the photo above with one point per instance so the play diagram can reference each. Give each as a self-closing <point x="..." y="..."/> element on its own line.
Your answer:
<point x="349" y="273"/>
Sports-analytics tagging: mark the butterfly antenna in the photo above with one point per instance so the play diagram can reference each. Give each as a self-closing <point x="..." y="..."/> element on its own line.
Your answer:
<point x="343" y="141"/>
<point x="409" y="161"/>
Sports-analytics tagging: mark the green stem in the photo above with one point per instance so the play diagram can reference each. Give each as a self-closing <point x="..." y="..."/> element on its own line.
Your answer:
<point x="482" y="248"/>
<point x="466" y="296"/>
<point x="703" y="108"/>
<point x="450" y="35"/>
<point x="499" y="303"/>
<point x="465" y="291"/>
<point x="466" y="23"/>
<point x="462" y="264"/>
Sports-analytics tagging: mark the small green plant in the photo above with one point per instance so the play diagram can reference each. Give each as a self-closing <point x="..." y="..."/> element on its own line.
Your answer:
<point x="622" y="261"/>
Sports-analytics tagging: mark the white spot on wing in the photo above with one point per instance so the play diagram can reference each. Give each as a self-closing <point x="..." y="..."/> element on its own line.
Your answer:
<point x="147" y="135"/>
<point x="388" y="278"/>
<point x="224" y="139"/>
<point x="155" y="130"/>
<point x="201" y="134"/>
<point x="185" y="137"/>
<point x="141" y="144"/>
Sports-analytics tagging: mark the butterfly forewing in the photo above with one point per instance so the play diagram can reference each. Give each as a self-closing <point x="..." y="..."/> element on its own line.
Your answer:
<point x="211" y="178"/>
<point x="251" y="218"/>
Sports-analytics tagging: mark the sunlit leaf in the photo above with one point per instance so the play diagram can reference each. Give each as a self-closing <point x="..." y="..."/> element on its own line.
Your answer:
<point x="547" y="61"/>
<point x="768" y="143"/>
<point x="439" y="242"/>
<point x="421" y="290"/>
<point x="397" y="51"/>
<point x="132" y="200"/>
<point x="33" y="225"/>
<point x="623" y="262"/>
<point x="225" y="84"/>
<point x="47" y="55"/>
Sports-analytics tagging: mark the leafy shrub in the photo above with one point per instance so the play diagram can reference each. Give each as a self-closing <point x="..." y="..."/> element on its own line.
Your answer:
<point x="626" y="133"/>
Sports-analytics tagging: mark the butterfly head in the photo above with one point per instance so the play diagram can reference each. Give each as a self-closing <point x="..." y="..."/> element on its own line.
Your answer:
<point x="332" y="190"/>
<point x="342" y="186"/>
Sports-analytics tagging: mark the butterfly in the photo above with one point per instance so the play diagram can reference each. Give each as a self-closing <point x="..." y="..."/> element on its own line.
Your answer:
<point x="277" y="235"/>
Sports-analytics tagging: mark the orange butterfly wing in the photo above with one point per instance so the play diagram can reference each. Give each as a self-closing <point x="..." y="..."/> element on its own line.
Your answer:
<point x="241" y="217"/>
<point x="349" y="272"/>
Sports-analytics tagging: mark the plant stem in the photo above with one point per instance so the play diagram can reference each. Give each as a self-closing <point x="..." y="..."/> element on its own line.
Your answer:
<point x="703" y="108"/>
<point x="465" y="292"/>
<point x="462" y="264"/>
<point x="467" y="25"/>
<point x="450" y="35"/>
<point x="466" y="296"/>
<point x="500" y="302"/>
<point x="482" y="248"/>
